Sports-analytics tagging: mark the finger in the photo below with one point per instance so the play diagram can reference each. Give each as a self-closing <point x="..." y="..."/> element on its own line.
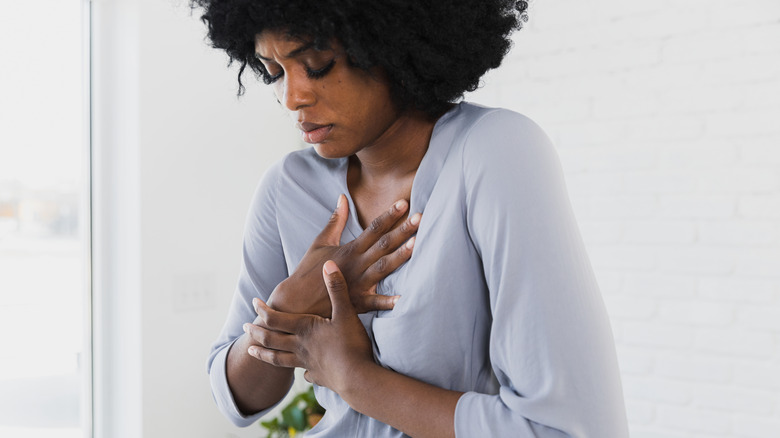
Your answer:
<point x="270" y="339"/>
<point x="337" y="290"/>
<point x="276" y="320"/>
<point x="389" y="263"/>
<point x="381" y="225"/>
<point x="282" y="359"/>
<point x="368" y="303"/>
<point x="392" y="240"/>
<point x="331" y="234"/>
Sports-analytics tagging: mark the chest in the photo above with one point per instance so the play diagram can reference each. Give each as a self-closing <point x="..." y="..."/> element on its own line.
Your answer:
<point x="434" y="332"/>
<point x="373" y="199"/>
<point x="437" y="331"/>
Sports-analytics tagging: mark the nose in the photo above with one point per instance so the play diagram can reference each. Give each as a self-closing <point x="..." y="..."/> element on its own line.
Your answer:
<point x="296" y="91"/>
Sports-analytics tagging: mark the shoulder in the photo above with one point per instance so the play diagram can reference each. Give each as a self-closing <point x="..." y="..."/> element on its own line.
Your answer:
<point x="297" y="166"/>
<point x="297" y="162"/>
<point x="488" y="129"/>
<point x="502" y="140"/>
<point x="304" y="168"/>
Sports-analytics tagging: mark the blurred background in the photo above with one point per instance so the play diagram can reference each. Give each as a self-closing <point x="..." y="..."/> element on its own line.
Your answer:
<point x="127" y="165"/>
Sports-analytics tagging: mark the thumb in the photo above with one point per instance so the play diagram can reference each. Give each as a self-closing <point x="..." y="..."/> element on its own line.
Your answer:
<point x="337" y="290"/>
<point x="331" y="234"/>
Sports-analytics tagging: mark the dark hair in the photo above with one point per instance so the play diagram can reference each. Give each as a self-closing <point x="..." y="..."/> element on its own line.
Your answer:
<point x="431" y="51"/>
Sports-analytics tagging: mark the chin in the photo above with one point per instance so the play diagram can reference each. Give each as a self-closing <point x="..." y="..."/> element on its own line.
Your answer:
<point x="328" y="151"/>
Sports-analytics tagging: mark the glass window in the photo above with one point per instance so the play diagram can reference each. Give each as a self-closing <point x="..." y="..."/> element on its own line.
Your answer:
<point x="44" y="226"/>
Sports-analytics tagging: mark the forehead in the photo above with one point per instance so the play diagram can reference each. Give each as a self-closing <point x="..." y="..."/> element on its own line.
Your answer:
<point x="272" y="43"/>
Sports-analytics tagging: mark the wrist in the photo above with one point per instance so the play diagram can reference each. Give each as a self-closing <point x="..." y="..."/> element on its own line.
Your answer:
<point x="357" y="379"/>
<point x="278" y="300"/>
<point x="286" y="298"/>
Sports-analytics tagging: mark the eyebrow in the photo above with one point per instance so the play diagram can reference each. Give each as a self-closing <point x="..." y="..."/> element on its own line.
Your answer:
<point x="292" y="54"/>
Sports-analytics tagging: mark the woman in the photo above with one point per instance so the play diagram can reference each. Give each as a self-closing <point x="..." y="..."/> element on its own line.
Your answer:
<point x="488" y="322"/>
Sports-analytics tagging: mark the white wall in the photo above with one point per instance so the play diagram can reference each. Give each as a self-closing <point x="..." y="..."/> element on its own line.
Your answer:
<point x="179" y="157"/>
<point x="666" y="115"/>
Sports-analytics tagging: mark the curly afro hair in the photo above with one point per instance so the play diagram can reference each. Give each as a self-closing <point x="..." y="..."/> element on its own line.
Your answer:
<point x="431" y="51"/>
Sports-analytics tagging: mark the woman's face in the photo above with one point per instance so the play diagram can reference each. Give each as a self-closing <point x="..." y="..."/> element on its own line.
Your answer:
<point x="338" y="108"/>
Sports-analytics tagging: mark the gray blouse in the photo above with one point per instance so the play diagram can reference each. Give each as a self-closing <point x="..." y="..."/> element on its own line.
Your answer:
<point x="498" y="300"/>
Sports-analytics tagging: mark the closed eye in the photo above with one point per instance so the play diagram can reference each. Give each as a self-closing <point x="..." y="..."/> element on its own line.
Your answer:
<point x="316" y="74"/>
<point x="268" y="79"/>
<point x="310" y="73"/>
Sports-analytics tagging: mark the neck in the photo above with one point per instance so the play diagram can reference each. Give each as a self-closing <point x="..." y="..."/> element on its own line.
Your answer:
<point x="398" y="152"/>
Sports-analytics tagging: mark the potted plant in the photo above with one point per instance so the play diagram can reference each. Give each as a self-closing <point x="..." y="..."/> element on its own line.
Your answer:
<point x="300" y="415"/>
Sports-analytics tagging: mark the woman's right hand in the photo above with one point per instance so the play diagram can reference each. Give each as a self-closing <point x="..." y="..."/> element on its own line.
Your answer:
<point x="372" y="256"/>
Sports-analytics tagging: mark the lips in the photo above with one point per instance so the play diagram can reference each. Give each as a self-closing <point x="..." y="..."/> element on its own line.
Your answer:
<point x="314" y="133"/>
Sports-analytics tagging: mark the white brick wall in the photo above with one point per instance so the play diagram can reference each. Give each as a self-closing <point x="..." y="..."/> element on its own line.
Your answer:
<point x="666" y="116"/>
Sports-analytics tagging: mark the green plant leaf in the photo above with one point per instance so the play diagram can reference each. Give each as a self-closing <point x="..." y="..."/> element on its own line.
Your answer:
<point x="271" y="425"/>
<point x="294" y="416"/>
<point x="308" y="397"/>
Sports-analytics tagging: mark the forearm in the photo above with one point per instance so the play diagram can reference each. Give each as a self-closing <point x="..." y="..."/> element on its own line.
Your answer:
<point x="416" y="408"/>
<point x="255" y="385"/>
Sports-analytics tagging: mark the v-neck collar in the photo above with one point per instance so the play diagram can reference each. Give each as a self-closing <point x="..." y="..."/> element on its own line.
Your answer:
<point x="424" y="179"/>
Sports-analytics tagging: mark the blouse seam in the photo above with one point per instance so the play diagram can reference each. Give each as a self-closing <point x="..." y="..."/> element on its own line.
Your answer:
<point x="466" y="192"/>
<point x="466" y="196"/>
<point x="275" y="191"/>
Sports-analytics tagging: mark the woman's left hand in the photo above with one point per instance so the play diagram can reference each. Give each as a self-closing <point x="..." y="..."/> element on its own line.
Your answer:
<point x="330" y="349"/>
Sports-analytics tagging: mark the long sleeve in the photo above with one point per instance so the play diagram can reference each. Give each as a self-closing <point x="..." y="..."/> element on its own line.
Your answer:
<point x="263" y="267"/>
<point x="551" y="345"/>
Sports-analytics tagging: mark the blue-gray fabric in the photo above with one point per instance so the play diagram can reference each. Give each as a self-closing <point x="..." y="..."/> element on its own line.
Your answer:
<point x="499" y="299"/>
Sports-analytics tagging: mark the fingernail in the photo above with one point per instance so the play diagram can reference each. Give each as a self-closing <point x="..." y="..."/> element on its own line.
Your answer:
<point x="415" y="220"/>
<point x="395" y="300"/>
<point x="410" y="243"/>
<point x="330" y="267"/>
<point x="338" y="203"/>
<point x="399" y="204"/>
<point x="246" y="328"/>
<point x="252" y="351"/>
<point x="255" y="302"/>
